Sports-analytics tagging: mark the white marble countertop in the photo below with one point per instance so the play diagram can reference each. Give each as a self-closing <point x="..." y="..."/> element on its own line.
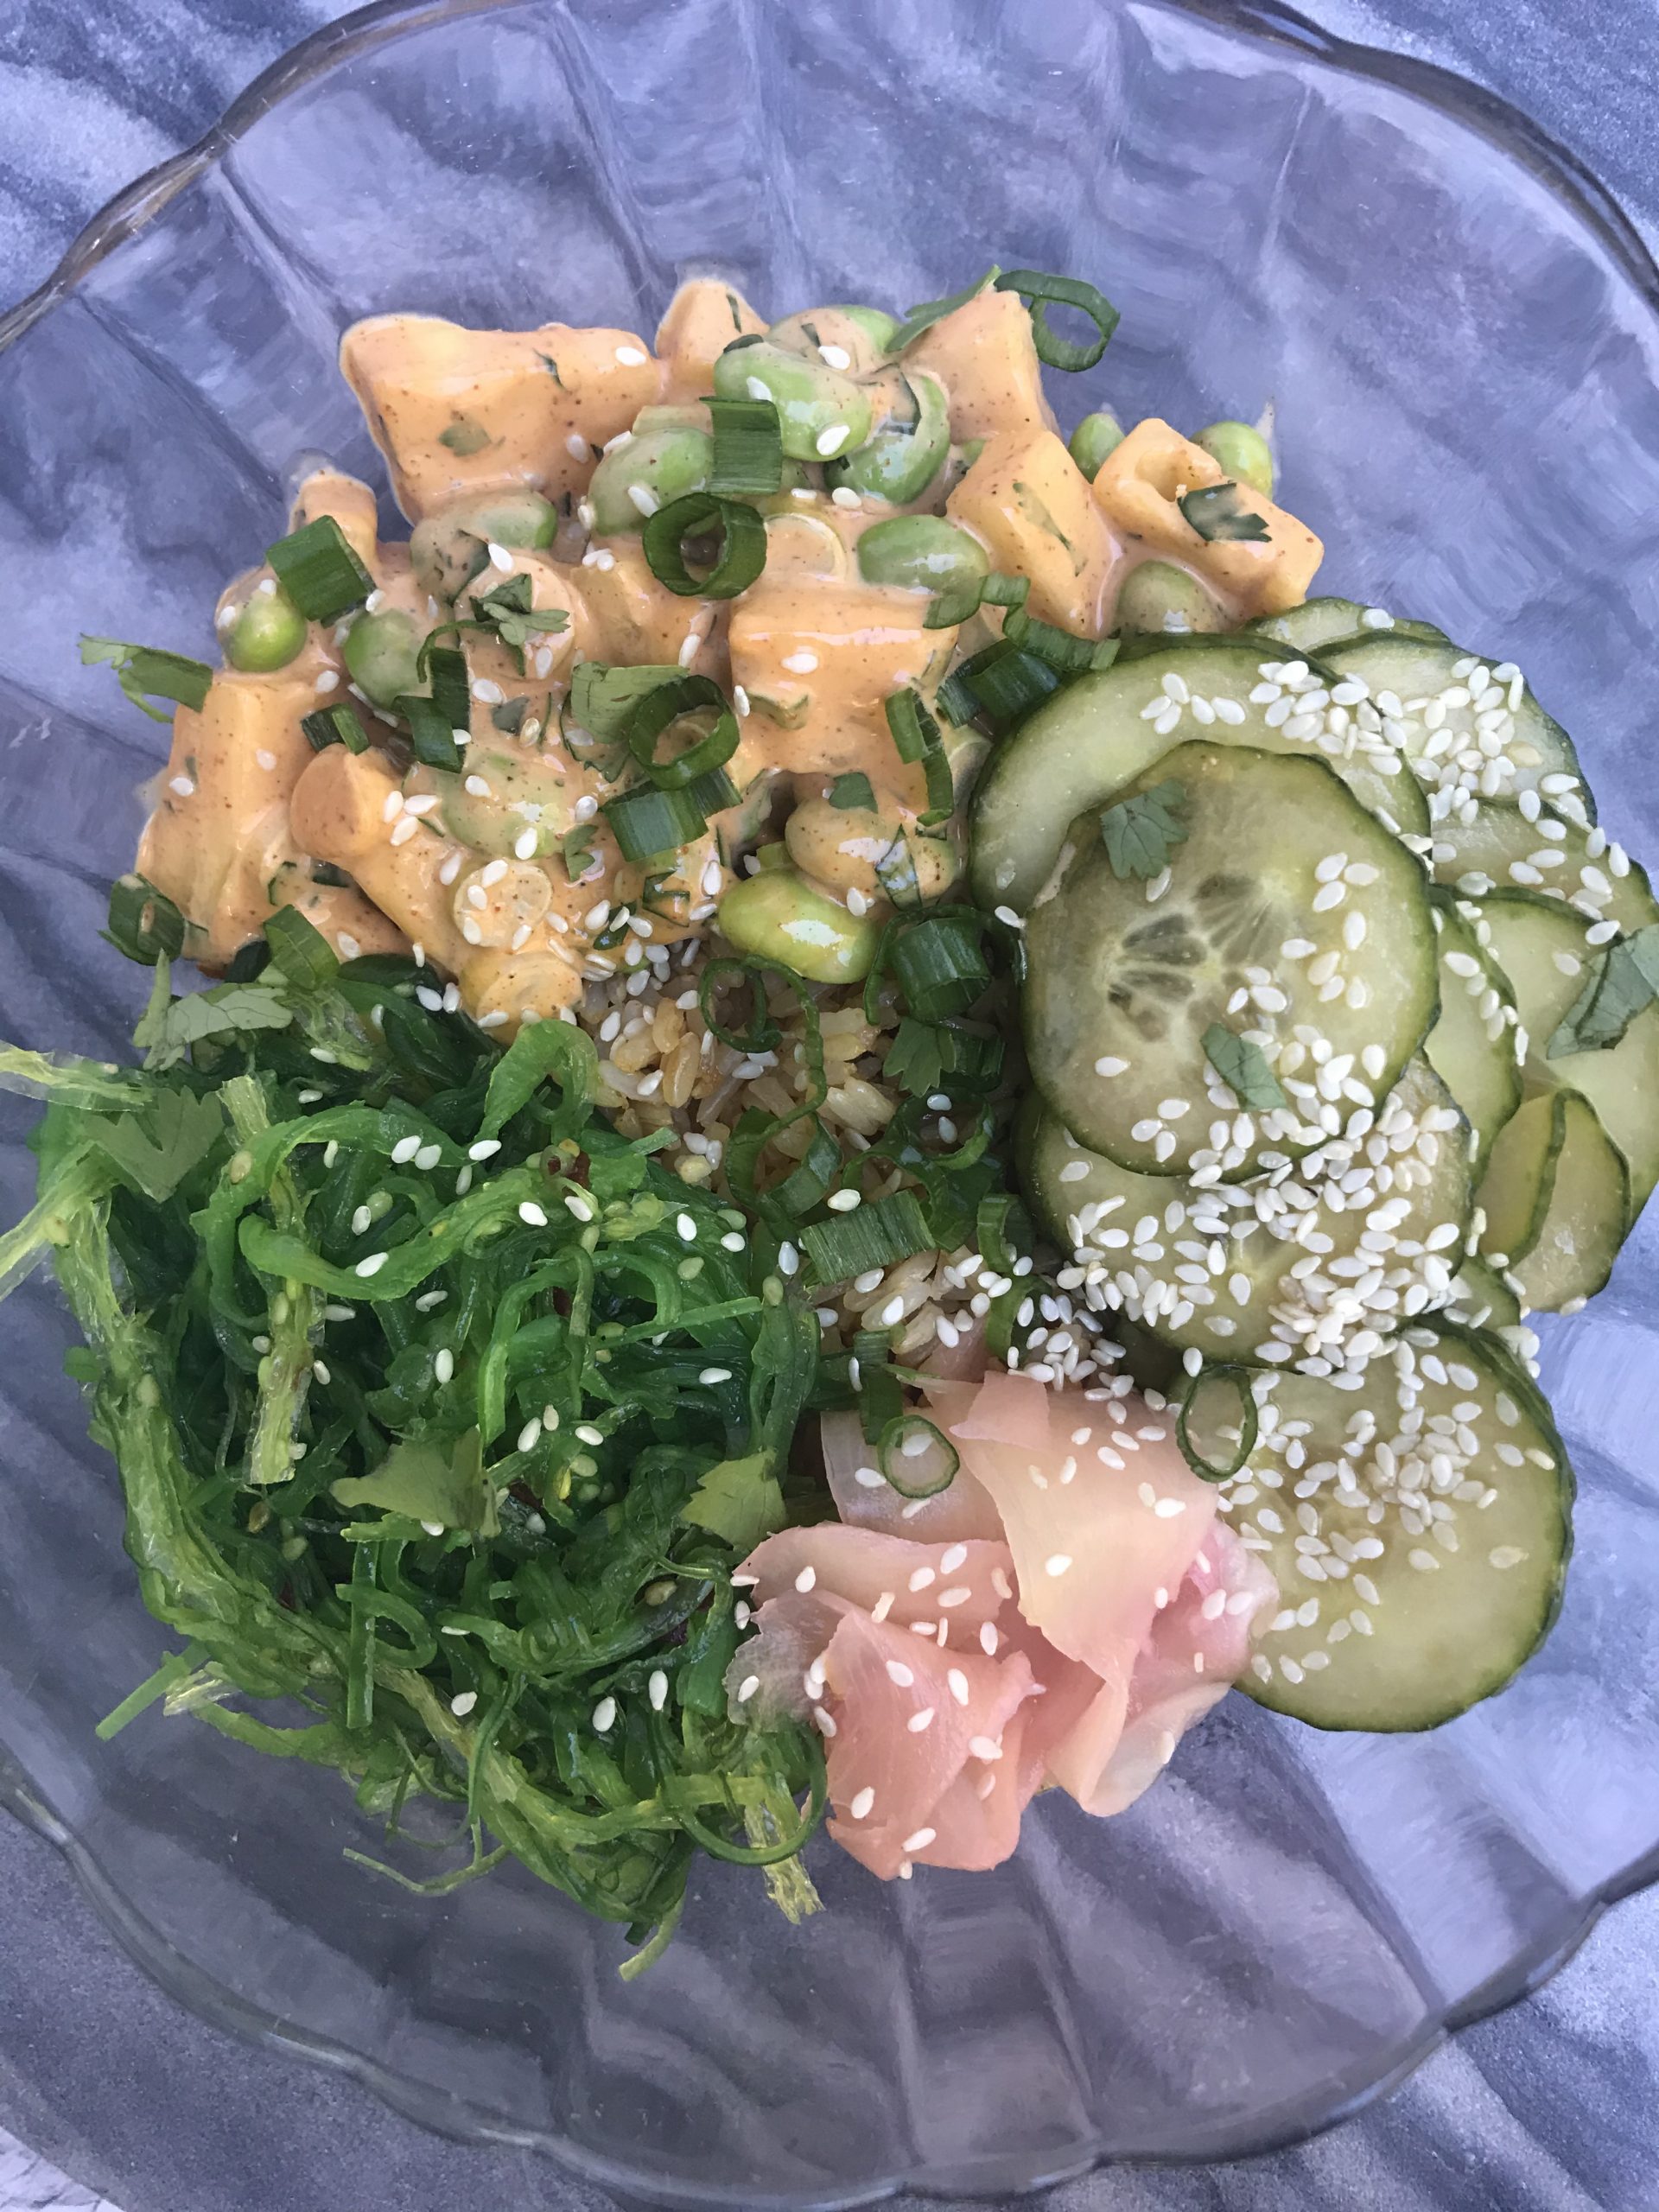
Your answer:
<point x="1551" y="2108"/>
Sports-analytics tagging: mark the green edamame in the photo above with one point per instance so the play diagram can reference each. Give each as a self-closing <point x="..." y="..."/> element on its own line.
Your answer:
<point x="1243" y="451"/>
<point x="779" y="916"/>
<point x="381" y="653"/>
<point x="1159" y="599"/>
<point x="821" y="412"/>
<point x="1096" y="436"/>
<point x="654" y="468"/>
<point x="267" y="633"/>
<point x="899" y="461"/>
<point x="448" y="550"/>
<point x="854" y="339"/>
<point x="927" y="553"/>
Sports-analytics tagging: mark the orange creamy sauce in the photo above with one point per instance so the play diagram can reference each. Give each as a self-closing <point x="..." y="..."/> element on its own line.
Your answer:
<point x="506" y="877"/>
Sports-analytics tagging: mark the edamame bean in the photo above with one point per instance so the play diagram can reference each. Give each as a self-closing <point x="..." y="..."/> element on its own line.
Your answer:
<point x="1158" y="598"/>
<point x="1093" y="439"/>
<point x="855" y="848"/>
<point x="267" y="633"/>
<point x="652" y="469"/>
<point x="853" y="339"/>
<point x="448" y="550"/>
<point x="821" y="412"/>
<point x="1243" y="451"/>
<point x="381" y="652"/>
<point x="926" y="552"/>
<point x="779" y="916"/>
<point x="900" y="460"/>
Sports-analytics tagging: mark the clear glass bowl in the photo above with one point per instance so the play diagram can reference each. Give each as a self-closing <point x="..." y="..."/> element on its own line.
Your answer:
<point x="1458" y="333"/>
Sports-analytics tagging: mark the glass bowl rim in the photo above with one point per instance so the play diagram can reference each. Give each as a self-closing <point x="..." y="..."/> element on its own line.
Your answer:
<point x="1510" y="132"/>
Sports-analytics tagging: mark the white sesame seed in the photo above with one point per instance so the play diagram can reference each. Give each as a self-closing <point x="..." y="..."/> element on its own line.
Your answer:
<point x="443" y="1365"/>
<point x="832" y="439"/>
<point x="863" y="1805"/>
<point x="372" y="1265"/>
<point x="462" y="1705"/>
<point x="918" y="1721"/>
<point x="605" y="1712"/>
<point x="632" y="357"/>
<point x="843" y="1201"/>
<point x="657" y="1689"/>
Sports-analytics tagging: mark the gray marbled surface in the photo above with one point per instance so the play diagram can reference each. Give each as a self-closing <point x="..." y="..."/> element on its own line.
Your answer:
<point x="1551" y="2108"/>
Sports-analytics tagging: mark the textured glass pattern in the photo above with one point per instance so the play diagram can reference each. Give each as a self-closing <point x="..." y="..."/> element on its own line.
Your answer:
<point x="1461" y="345"/>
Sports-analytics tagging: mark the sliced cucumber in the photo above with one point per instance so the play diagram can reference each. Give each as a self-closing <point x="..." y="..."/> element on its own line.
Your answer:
<point x="1521" y="750"/>
<point x="1122" y="988"/>
<point x="1471" y="1045"/>
<point x="1098" y="735"/>
<point x="1500" y="849"/>
<point x="1389" y="1619"/>
<point x="1216" y="1269"/>
<point x="1482" y="1299"/>
<point x="1325" y="621"/>
<point x="1541" y="945"/>
<point x="1556" y="1198"/>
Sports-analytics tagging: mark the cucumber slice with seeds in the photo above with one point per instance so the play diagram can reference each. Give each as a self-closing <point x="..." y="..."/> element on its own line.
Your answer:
<point x="1226" y="1269"/>
<point x="1471" y="1045"/>
<point x="1556" y="1198"/>
<point x="1096" y="736"/>
<point x="1465" y="746"/>
<point x="1122" y="987"/>
<point x="1482" y="1299"/>
<point x="1427" y="1564"/>
<point x="1500" y="848"/>
<point x="1541" y="945"/>
<point x="1329" y="620"/>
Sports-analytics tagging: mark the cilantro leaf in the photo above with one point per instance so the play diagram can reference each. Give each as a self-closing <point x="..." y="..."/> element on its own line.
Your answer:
<point x="738" y="1500"/>
<point x="1139" y="832"/>
<point x="156" y="1147"/>
<point x="464" y="436"/>
<point x="146" y="673"/>
<point x="1621" y="983"/>
<point x="551" y="366"/>
<point x="914" y="1060"/>
<point x="429" y="1480"/>
<point x="851" y="790"/>
<point x="579" y="850"/>
<point x="509" y="716"/>
<point x="1243" y="1068"/>
<point x="1214" y="512"/>
<point x="508" y="611"/>
<point x="169" y="1026"/>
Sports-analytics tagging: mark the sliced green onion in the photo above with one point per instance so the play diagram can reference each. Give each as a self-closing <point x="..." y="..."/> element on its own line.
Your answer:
<point x="146" y="673"/>
<point x="915" y="732"/>
<point x="969" y="1061"/>
<point x="651" y="820"/>
<point x="333" y="726"/>
<point x="941" y="789"/>
<point x="895" y="871"/>
<point x="998" y="590"/>
<point x="748" y="447"/>
<point x="939" y="966"/>
<point x="1238" y="1379"/>
<point x="431" y="733"/>
<point x="851" y="790"/>
<point x="452" y="693"/>
<point x="603" y="698"/>
<point x="249" y="962"/>
<point x="668" y="703"/>
<point x="299" y="950"/>
<point x="701" y="514"/>
<point x="1065" y="654"/>
<point x="1003" y="684"/>
<point x="1002" y="1231"/>
<point x="878" y="1234"/>
<point x="924" y="316"/>
<point x="805" y="1185"/>
<point x="319" y="571"/>
<point x="1040" y="291"/>
<point x="881" y="1395"/>
<point x="143" y="922"/>
<point x="917" y="1459"/>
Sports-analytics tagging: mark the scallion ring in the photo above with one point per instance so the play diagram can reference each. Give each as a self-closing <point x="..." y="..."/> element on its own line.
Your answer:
<point x="1040" y="291"/>
<point x="1240" y="1379"/>
<point x="917" y="1459"/>
<point x="668" y="703"/>
<point x="701" y="514"/>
